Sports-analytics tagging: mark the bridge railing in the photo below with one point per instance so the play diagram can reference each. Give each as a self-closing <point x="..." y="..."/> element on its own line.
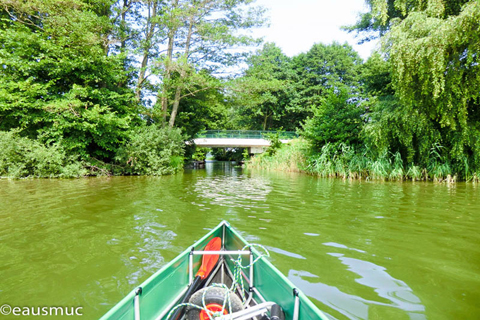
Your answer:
<point x="245" y="134"/>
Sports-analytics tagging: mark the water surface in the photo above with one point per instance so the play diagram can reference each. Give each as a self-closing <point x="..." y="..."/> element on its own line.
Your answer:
<point x="359" y="249"/>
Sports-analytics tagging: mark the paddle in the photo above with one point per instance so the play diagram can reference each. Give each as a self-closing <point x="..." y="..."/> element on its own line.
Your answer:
<point x="208" y="262"/>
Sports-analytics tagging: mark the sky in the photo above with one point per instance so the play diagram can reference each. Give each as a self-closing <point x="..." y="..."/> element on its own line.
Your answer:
<point x="295" y="25"/>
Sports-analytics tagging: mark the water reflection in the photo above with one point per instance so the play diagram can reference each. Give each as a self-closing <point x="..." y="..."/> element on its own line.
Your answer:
<point x="349" y="305"/>
<point x="337" y="245"/>
<point x="233" y="189"/>
<point x="286" y="253"/>
<point x="398" y="294"/>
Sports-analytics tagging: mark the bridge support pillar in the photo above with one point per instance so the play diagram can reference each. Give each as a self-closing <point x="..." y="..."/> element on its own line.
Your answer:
<point x="256" y="150"/>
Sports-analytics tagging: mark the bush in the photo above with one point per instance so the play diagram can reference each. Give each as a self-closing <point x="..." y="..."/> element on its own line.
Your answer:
<point x="200" y="153"/>
<point x="153" y="151"/>
<point x="275" y="143"/>
<point x="337" y="120"/>
<point x="22" y="157"/>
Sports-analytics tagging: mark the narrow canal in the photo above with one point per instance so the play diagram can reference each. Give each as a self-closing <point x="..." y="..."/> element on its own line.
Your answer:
<point x="359" y="249"/>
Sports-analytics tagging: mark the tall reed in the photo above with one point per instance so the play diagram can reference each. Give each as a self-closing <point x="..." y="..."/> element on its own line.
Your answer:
<point x="291" y="157"/>
<point x="347" y="162"/>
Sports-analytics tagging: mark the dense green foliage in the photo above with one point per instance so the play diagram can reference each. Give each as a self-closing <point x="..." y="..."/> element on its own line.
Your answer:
<point x="338" y="119"/>
<point x="58" y="85"/>
<point x="23" y="157"/>
<point x="436" y="75"/>
<point x="383" y="13"/>
<point x="278" y="92"/>
<point x="70" y="86"/>
<point x="414" y="110"/>
<point x="57" y="82"/>
<point x="91" y="86"/>
<point x="262" y="96"/>
<point x="324" y="68"/>
<point x="153" y="151"/>
<point x="207" y="109"/>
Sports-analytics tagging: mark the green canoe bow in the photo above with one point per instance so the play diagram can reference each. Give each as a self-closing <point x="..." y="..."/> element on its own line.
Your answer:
<point x="154" y="298"/>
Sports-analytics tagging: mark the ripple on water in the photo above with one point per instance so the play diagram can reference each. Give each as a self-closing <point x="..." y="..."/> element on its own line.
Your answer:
<point x="358" y="249"/>
<point x="235" y="191"/>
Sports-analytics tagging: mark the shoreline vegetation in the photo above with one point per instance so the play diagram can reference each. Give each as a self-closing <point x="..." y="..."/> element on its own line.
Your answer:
<point x="95" y="87"/>
<point x="343" y="161"/>
<point x="149" y="151"/>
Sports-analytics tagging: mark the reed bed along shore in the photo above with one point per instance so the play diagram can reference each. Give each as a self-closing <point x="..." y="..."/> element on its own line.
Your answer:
<point x="343" y="161"/>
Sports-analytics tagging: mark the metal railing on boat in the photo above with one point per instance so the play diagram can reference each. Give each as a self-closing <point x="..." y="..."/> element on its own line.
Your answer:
<point x="223" y="253"/>
<point x="247" y="313"/>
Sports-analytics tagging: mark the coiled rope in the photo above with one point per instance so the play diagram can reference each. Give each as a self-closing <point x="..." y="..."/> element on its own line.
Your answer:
<point x="237" y="282"/>
<point x="237" y="274"/>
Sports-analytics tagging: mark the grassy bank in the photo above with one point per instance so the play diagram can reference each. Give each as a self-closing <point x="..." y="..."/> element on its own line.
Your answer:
<point x="343" y="161"/>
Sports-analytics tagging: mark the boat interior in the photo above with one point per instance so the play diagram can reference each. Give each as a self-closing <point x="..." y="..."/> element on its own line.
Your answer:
<point x="254" y="305"/>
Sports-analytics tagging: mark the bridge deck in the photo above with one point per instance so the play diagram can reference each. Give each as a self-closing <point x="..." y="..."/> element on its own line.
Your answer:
<point x="256" y="141"/>
<point x="246" y="134"/>
<point x="232" y="142"/>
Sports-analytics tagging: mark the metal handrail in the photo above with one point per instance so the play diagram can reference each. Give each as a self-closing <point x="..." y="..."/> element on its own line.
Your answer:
<point x="245" y="134"/>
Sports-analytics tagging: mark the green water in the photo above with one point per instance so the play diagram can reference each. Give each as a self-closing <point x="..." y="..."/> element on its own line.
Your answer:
<point x="358" y="249"/>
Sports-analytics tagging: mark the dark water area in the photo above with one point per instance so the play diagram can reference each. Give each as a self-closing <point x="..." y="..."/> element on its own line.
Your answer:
<point x="359" y="249"/>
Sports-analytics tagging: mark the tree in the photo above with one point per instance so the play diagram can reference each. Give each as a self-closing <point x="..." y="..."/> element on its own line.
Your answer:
<point x="336" y="120"/>
<point x="376" y="76"/>
<point x="377" y="21"/>
<point x="263" y="94"/>
<point x="198" y="35"/>
<point x="206" y="110"/>
<point x="57" y="82"/>
<point x="148" y="41"/>
<point x="391" y="128"/>
<point x="436" y="72"/>
<point x="328" y="66"/>
<point x="424" y="90"/>
<point x="279" y="92"/>
<point x="322" y="69"/>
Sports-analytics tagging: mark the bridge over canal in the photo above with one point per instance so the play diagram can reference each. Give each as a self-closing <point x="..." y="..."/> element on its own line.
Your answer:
<point x="256" y="141"/>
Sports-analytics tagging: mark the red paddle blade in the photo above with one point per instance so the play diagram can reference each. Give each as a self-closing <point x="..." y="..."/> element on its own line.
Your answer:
<point x="209" y="260"/>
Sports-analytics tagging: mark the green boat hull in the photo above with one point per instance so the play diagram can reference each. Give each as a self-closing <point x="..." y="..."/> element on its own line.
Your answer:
<point x="164" y="289"/>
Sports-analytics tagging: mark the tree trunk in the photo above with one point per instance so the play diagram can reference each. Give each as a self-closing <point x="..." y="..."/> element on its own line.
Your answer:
<point x="123" y="40"/>
<point x="166" y="78"/>
<point x="265" y="122"/>
<point x="152" y="13"/>
<point x="123" y="23"/>
<point x="176" y="102"/>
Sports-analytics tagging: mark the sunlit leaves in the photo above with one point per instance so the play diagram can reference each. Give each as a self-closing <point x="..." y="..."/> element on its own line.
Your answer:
<point x="262" y="95"/>
<point x="57" y="83"/>
<point x="153" y="151"/>
<point x="435" y="63"/>
<point x="433" y="56"/>
<point x="336" y="120"/>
